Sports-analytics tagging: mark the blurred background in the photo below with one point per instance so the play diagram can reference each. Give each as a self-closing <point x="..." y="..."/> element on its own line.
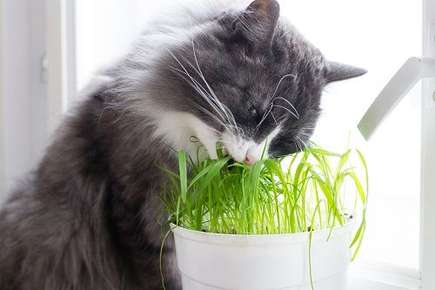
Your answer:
<point x="51" y="48"/>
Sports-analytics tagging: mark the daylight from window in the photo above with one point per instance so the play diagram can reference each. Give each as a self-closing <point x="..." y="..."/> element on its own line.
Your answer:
<point x="394" y="153"/>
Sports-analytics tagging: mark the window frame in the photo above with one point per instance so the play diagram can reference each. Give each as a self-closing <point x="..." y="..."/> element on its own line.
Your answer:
<point x="19" y="46"/>
<point x="427" y="236"/>
<point x="2" y="145"/>
<point x="61" y="55"/>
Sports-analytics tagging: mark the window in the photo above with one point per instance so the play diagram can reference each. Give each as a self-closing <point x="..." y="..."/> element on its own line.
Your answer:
<point x="105" y="31"/>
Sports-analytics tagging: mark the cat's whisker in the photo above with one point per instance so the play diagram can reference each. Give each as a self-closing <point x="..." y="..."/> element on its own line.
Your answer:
<point x="200" y="89"/>
<point x="291" y="105"/>
<point x="224" y="108"/>
<point x="304" y="134"/>
<point x="198" y="70"/>
<point x="203" y="94"/>
<point x="302" y="144"/>
<point x="274" y="119"/>
<point x="220" y="122"/>
<point x="264" y="117"/>
<point x="184" y="71"/>
<point x="279" y="84"/>
<point x="307" y="131"/>
<point x="210" y="98"/>
<point x="285" y="108"/>
<point x="302" y="141"/>
<point x="219" y="119"/>
<point x="298" y="145"/>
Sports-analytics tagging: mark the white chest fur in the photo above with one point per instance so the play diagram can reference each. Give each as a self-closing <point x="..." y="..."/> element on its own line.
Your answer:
<point x="184" y="131"/>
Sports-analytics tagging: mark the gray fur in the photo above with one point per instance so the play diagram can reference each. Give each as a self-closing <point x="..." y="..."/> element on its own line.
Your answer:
<point x="90" y="217"/>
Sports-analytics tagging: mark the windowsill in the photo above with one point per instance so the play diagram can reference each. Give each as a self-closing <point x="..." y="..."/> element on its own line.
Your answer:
<point x="361" y="284"/>
<point x="366" y="276"/>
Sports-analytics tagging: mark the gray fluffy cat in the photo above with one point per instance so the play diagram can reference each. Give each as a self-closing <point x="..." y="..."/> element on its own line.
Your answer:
<point x="90" y="217"/>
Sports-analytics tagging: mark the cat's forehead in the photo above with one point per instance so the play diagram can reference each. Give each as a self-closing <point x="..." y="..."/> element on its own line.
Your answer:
<point x="234" y="59"/>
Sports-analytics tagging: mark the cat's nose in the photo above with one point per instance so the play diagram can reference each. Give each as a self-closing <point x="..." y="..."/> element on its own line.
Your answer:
<point x="249" y="159"/>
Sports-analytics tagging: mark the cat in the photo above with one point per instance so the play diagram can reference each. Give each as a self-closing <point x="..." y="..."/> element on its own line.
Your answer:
<point x="90" y="216"/>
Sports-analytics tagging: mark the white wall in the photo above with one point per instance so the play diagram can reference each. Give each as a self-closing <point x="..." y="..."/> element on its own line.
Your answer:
<point x="22" y="112"/>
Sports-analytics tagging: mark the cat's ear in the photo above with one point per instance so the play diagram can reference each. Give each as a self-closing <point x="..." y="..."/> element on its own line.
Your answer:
<point x="259" y="21"/>
<point x="338" y="72"/>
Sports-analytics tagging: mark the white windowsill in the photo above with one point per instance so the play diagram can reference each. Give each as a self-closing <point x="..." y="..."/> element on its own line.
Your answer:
<point x="378" y="276"/>
<point x="362" y="284"/>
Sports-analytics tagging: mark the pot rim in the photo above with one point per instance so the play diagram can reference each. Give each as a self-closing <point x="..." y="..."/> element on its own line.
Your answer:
<point x="192" y="234"/>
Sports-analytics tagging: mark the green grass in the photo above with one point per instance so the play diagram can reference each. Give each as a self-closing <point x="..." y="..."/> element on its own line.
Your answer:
<point x="309" y="191"/>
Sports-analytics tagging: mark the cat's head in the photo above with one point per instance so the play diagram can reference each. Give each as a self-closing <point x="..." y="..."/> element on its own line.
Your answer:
<point x="252" y="81"/>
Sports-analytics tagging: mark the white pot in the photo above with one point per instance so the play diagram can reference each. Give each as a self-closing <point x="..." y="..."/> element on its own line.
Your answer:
<point x="263" y="262"/>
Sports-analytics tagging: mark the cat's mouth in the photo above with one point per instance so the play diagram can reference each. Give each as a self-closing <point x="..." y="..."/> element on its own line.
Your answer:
<point x="244" y="152"/>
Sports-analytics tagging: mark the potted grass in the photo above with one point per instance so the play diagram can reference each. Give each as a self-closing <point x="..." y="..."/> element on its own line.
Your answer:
<point x="293" y="223"/>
